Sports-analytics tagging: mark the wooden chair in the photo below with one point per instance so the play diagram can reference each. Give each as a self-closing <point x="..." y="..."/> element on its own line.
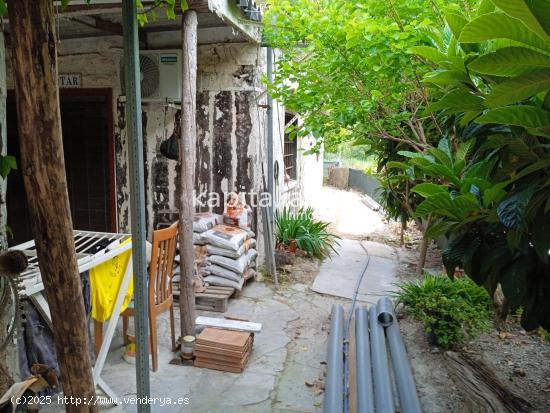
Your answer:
<point x="161" y="271"/>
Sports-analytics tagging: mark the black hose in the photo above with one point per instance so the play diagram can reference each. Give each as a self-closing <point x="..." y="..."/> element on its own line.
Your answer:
<point x="346" y="330"/>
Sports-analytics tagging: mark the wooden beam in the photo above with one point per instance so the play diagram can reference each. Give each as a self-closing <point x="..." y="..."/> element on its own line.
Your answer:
<point x="236" y="325"/>
<point x="105" y="26"/>
<point x="187" y="165"/>
<point x="90" y="9"/>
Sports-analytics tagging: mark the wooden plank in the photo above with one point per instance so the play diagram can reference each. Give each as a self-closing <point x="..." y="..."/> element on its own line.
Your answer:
<point x="205" y="348"/>
<point x="222" y="358"/>
<point x="221" y="365"/>
<point x="352" y="363"/>
<point x="214" y="366"/>
<point x="220" y="307"/>
<point x="229" y="324"/>
<point x="227" y="339"/>
<point x="212" y="295"/>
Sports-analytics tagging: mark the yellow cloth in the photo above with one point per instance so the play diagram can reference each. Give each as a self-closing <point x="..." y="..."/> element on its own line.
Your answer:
<point x="105" y="280"/>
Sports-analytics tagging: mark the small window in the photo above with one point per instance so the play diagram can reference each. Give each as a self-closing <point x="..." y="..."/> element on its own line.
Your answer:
<point x="290" y="153"/>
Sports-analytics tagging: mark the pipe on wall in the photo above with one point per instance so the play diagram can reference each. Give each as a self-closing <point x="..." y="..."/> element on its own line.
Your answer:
<point x="406" y="387"/>
<point x="334" y="382"/>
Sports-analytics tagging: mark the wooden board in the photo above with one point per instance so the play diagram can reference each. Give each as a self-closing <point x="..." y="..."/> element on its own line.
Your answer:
<point x="215" y="365"/>
<point x="223" y="339"/>
<point x="213" y="299"/>
<point x="229" y="324"/>
<point x="204" y="349"/>
<point x="221" y="358"/>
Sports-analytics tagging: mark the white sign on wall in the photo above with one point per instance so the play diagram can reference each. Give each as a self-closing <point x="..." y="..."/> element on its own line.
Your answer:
<point x="68" y="80"/>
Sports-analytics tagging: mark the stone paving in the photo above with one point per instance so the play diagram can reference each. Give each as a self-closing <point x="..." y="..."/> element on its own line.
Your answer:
<point x="339" y="276"/>
<point x="289" y="352"/>
<point x="286" y="369"/>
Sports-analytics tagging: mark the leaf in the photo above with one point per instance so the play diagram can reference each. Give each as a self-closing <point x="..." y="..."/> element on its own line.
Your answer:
<point x="485" y="6"/>
<point x="444" y="146"/>
<point x="7" y="163"/>
<point x="428" y="53"/>
<point x="3" y="7"/>
<point x="464" y="149"/>
<point x="439" y="203"/>
<point x="457" y="100"/>
<point x="511" y="210"/>
<point x="441" y="157"/>
<point x="519" y="88"/>
<point x="412" y="155"/>
<point x="184" y="5"/>
<point x="456" y="23"/>
<point x="498" y="25"/>
<point x="446" y="78"/>
<point x="441" y="171"/>
<point x="509" y="62"/>
<point x="438" y="229"/>
<point x="494" y="194"/>
<point x="520" y="10"/>
<point x="397" y="165"/>
<point x="427" y="188"/>
<point x="524" y="116"/>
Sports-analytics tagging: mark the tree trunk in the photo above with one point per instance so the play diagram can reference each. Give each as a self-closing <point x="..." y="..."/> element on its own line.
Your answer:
<point x="502" y="308"/>
<point x="424" y="247"/>
<point x="187" y="162"/>
<point x="402" y="232"/>
<point x="34" y="58"/>
<point x="482" y="390"/>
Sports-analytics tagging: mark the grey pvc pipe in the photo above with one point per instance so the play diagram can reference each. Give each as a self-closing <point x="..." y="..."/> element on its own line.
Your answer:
<point x="383" y="399"/>
<point x="408" y="397"/>
<point x="270" y="155"/>
<point x="365" y="394"/>
<point x="334" y="382"/>
<point x="384" y="312"/>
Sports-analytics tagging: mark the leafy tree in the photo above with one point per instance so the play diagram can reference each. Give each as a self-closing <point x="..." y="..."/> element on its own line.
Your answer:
<point x="346" y="68"/>
<point x="488" y="186"/>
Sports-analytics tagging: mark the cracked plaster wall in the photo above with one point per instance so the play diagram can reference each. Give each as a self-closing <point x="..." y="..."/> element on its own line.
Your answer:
<point x="231" y="124"/>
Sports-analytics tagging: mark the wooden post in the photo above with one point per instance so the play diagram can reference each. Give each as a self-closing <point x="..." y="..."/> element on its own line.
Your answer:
<point x="34" y="58"/>
<point x="187" y="164"/>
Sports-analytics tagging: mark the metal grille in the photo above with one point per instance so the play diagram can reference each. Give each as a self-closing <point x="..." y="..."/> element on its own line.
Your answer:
<point x="290" y="153"/>
<point x="92" y="248"/>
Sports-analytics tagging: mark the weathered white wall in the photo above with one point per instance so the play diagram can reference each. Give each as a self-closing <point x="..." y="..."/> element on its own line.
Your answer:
<point x="231" y="122"/>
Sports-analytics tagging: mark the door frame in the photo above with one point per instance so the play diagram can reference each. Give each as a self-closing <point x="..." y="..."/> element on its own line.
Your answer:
<point x="107" y="93"/>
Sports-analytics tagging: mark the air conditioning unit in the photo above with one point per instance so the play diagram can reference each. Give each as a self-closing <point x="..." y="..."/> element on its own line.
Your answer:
<point x="160" y="72"/>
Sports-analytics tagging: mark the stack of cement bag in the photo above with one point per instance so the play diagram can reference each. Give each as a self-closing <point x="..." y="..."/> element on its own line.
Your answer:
<point x="230" y="256"/>
<point x="202" y="222"/>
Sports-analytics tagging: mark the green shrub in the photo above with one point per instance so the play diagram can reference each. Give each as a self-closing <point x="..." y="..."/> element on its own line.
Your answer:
<point x="307" y="233"/>
<point x="451" y="310"/>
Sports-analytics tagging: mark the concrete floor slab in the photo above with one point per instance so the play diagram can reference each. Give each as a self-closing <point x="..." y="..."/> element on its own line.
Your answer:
<point x="339" y="276"/>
